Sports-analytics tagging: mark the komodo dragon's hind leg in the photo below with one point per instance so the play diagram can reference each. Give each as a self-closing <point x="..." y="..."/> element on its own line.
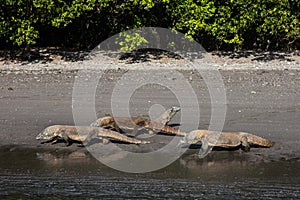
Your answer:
<point x="93" y="135"/>
<point x="136" y="132"/>
<point x="65" y="138"/>
<point x="114" y="126"/>
<point x="111" y="125"/>
<point x="107" y="122"/>
<point x="137" y="127"/>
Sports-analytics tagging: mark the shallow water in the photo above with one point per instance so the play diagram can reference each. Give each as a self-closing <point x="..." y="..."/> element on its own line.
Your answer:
<point x="32" y="173"/>
<point x="49" y="187"/>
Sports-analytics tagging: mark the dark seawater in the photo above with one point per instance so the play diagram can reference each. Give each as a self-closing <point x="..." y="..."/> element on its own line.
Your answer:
<point x="59" y="174"/>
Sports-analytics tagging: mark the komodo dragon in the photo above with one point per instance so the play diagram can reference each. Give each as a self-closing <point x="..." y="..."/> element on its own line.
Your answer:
<point x="136" y="124"/>
<point x="82" y="134"/>
<point x="225" y="140"/>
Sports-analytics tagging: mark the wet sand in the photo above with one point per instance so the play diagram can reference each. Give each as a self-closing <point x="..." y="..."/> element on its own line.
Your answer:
<point x="63" y="174"/>
<point x="266" y="103"/>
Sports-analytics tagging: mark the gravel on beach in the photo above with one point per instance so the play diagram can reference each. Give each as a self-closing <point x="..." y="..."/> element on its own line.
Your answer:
<point x="116" y="60"/>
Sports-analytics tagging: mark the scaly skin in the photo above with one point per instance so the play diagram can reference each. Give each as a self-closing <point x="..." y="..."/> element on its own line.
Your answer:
<point x="226" y="139"/>
<point x="135" y="124"/>
<point x="82" y="134"/>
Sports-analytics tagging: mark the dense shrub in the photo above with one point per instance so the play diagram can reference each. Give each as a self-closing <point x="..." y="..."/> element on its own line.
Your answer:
<point x="80" y="24"/>
<point x="248" y="23"/>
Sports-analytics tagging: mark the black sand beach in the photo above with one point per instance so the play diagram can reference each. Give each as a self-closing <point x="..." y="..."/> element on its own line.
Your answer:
<point x="262" y="102"/>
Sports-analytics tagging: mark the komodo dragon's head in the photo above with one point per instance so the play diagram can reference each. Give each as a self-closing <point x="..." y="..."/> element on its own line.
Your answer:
<point x="48" y="133"/>
<point x="175" y="109"/>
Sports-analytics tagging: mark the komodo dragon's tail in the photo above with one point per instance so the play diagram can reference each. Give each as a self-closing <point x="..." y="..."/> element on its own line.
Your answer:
<point x="256" y="140"/>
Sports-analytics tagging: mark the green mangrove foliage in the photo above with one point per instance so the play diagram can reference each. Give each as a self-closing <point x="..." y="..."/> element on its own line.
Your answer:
<point x="249" y="24"/>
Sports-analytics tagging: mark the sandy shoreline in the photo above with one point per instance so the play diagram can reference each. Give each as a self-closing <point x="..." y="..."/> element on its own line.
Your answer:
<point x="113" y="60"/>
<point x="263" y="102"/>
<point x="262" y="97"/>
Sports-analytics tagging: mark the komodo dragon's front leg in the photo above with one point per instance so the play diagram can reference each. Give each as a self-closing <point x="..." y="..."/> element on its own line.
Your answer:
<point x="205" y="147"/>
<point x="92" y="135"/>
<point x="64" y="136"/>
<point x="245" y="144"/>
<point x="61" y="135"/>
<point x="53" y="140"/>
